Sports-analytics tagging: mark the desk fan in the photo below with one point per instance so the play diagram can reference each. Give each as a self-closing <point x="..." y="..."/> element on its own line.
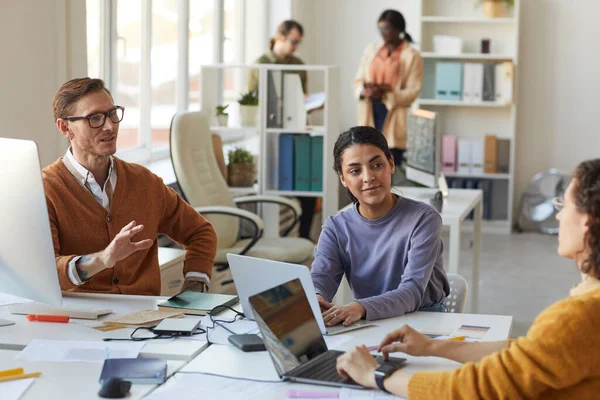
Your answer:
<point x="536" y="207"/>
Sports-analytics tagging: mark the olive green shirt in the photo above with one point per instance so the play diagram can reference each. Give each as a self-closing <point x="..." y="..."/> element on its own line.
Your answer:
<point x="270" y="58"/>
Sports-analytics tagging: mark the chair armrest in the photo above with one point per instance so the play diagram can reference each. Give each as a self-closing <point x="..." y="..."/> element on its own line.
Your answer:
<point x="234" y="212"/>
<point x="270" y="199"/>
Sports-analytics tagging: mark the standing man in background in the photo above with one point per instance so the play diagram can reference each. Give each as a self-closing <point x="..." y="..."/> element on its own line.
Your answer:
<point x="281" y="51"/>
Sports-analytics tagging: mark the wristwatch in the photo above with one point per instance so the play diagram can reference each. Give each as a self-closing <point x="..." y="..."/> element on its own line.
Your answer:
<point x="382" y="373"/>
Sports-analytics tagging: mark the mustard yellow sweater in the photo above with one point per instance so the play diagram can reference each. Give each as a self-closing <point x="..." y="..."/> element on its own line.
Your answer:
<point x="558" y="359"/>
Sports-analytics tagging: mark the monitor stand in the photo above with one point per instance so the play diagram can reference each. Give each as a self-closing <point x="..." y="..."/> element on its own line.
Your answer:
<point x="6" y="322"/>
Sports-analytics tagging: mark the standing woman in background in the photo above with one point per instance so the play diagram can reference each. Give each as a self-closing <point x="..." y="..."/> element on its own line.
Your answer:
<point x="388" y="80"/>
<point x="281" y="51"/>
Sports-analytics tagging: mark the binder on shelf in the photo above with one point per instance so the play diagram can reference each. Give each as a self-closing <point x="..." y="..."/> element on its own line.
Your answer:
<point x="491" y="154"/>
<point x="467" y="93"/>
<point x="477" y="82"/>
<point x="294" y="112"/>
<point x="286" y="161"/>
<point x="507" y="82"/>
<point x="488" y="92"/>
<point x="486" y="187"/>
<point x="503" y="155"/>
<point x="448" y="81"/>
<point x="449" y="153"/>
<point x="498" y="79"/>
<point x="477" y="156"/>
<point x="274" y="99"/>
<point x="316" y="163"/>
<point x="302" y="162"/>
<point x="464" y="156"/>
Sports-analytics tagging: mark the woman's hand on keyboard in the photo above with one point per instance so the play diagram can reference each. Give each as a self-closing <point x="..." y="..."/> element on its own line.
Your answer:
<point x="348" y="314"/>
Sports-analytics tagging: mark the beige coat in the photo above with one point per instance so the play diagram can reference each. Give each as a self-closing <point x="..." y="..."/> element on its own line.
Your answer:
<point x="397" y="101"/>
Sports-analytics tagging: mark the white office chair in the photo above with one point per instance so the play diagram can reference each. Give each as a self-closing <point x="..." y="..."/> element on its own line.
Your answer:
<point x="205" y="189"/>
<point x="457" y="299"/>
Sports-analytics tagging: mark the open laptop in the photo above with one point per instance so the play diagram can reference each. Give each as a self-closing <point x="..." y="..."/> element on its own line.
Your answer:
<point x="253" y="275"/>
<point x="293" y="339"/>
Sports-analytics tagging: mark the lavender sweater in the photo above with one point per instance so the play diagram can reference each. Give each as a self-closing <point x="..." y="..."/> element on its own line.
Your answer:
<point x="393" y="264"/>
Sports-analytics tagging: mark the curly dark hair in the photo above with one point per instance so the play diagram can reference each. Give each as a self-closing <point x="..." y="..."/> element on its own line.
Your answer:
<point x="358" y="135"/>
<point x="586" y="192"/>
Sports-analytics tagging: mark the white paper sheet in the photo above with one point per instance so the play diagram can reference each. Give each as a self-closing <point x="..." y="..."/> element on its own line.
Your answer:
<point x="201" y="386"/>
<point x="13" y="390"/>
<point x="346" y="393"/>
<point x="75" y="350"/>
<point x="6" y="299"/>
<point x="335" y="342"/>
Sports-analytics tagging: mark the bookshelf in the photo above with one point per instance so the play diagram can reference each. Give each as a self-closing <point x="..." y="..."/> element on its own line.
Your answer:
<point x="263" y="141"/>
<point x="465" y="19"/>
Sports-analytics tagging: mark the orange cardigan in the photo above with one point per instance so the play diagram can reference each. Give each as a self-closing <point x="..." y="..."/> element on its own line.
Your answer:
<point x="558" y="359"/>
<point x="80" y="225"/>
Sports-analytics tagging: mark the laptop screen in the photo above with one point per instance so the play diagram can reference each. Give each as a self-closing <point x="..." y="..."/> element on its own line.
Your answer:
<point x="288" y="326"/>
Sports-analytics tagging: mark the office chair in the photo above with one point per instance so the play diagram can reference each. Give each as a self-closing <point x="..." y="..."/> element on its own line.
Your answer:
<point x="457" y="299"/>
<point x="204" y="188"/>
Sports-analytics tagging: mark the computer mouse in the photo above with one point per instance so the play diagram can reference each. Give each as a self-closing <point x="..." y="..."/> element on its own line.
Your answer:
<point x="115" y="388"/>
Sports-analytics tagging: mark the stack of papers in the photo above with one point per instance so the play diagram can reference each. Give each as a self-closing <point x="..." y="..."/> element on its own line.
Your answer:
<point x="78" y="350"/>
<point x="145" y="318"/>
<point x="13" y="390"/>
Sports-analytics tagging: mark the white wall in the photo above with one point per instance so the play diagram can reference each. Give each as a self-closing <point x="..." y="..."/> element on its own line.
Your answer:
<point x="559" y="86"/>
<point x="43" y="45"/>
<point x="558" y="76"/>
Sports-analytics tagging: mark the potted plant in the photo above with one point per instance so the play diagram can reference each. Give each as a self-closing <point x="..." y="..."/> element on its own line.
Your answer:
<point x="495" y="8"/>
<point x="241" y="168"/>
<point x="222" y="116"/>
<point x="248" y="108"/>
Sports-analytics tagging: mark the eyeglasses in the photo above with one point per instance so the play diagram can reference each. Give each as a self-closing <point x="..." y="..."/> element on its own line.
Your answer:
<point x="558" y="203"/>
<point x="98" y="120"/>
<point x="296" y="42"/>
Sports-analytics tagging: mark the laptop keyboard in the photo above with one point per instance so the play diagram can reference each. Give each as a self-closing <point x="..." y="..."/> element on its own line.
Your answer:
<point x="321" y="369"/>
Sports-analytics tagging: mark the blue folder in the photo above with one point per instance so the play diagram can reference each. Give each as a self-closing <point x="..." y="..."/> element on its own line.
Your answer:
<point x="302" y="163"/>
<point x="448" y="81"/>
<point x="316" y="163"/>
<point x="286" y="161"/>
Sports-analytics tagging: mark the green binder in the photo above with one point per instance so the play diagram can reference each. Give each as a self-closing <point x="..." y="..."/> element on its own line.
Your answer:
<point x="302" y="163"/>
<point x="316" y="163"/>
<point x="198" y="303"/>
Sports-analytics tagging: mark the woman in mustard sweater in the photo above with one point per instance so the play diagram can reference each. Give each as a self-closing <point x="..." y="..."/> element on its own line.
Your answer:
<point x="559" y="357"/>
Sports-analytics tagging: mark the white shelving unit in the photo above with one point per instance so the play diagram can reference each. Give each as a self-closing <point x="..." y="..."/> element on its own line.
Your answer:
<point x="265" y="141"/>
<point x="474" y="120"/>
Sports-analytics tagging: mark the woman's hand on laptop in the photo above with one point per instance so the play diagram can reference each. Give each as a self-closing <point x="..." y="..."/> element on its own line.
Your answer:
<point x="348" y="314"/>
<point x="359" y="365"/>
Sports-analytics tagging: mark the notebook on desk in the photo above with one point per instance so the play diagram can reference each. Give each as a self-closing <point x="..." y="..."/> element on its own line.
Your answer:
<point x="197" y="303"/>
<point x="136" y="370"/>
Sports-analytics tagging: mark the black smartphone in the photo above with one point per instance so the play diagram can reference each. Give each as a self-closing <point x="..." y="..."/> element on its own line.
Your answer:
<point x="247" y="342"/>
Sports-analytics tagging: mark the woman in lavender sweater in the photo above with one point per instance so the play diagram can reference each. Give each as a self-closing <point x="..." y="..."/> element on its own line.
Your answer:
<point x="389" y="247"/>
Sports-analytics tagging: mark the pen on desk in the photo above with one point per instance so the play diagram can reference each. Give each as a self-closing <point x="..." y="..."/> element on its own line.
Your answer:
<point x="310" y="394"/>
<point x="48" y="318"/>
<point x="20" y="376"/>
<point x="11" y="372"/>
<point x="458" y="338"/>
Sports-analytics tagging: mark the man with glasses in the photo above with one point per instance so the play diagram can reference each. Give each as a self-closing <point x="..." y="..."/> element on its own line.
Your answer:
<point x="105" y="214"/>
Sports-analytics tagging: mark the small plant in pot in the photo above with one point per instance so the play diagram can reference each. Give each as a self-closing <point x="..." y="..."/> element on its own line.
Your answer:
<point x="222" y="116"/>
<point x="495" y="8"/>
<point x="241" y="168"/>
<point x="248" y="108"/>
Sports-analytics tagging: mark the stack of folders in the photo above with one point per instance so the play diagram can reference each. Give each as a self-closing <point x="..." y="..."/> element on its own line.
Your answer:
<point x="475" y="156"/>
<point x="485" y="185"/>
<point x="474" y="82"/>
<point x="300" y="162"/>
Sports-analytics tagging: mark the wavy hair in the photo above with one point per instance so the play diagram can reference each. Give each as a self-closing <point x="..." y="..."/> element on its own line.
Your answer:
<point x="587" y="199"/>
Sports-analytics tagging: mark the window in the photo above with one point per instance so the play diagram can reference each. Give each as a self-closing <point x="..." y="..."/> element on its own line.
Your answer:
<point x="149" y="52"/>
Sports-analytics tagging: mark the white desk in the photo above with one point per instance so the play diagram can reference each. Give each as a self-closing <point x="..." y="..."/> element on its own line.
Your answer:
<point x="16" y="337"/>
<point x="224" y="360"/>
<point x="457" y="206"/>
<point x="70" y="380"/>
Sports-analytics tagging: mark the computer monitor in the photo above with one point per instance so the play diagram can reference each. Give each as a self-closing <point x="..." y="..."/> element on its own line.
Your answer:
<point x="27" y="263"/>
<point x="423" y="148"/>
